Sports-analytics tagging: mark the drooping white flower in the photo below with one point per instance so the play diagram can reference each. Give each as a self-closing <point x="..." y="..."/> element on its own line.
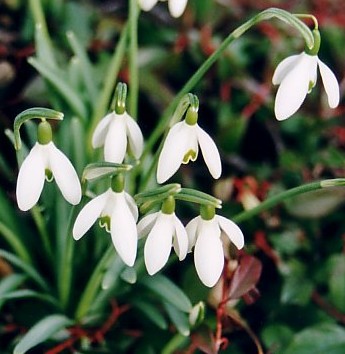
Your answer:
<point x="122" y="211"/>
<point x="176" y="7"/>
<point x="41" y="159"/>
<point x="182" y="145"/>
<point x="118" y="133"/>
<point x="164" y="231"/>
<point x="205" y="235"/>
<point x="296" y="76"/>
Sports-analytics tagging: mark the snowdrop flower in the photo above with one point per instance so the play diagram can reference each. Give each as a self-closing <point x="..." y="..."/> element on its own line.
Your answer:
<point x="46" y="161"/>
<point x="118" y="133"/>
<point x="182" y="145"/>
<point x="204" y="232"/>
<point x="176" y="7"/>
<point x="164" y="229"/>
<point x="119" y="213"/>
<point x="296" y="76"/>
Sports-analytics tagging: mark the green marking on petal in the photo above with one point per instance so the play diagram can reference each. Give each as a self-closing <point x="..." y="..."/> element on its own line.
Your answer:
<point x="49" y="175"/>
<point x="104" y="223"/>
<point x="190" y="155"/>
<point x="311" y="86"/>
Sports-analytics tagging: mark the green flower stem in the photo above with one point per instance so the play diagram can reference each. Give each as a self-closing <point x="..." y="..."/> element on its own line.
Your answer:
<point x="15" y="242"/>
<point x="133" y="58"/>
<point x="37" y="12"/>
<point x="92" y="287"/>
<point x="279" y="198"/>
<point x="41" y="226"/>
<point x="109" y="82"/>
<point x="191" y="83"/>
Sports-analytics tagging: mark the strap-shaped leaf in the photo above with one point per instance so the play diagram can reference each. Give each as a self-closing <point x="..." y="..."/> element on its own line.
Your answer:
<point x="42" y="331"/>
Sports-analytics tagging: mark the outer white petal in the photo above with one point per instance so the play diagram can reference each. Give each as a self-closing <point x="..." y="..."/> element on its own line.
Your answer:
<point x="293" y="88"/>
<point x="146" y="223"/>
<point x="123" y="230"/>
<point x="115" y="144"/>
<point x="210" y="153"/>
<point x="180" y="239"/>
<point x="173" y="151"/>
<point x="208" y="258"/>
<point x="147" y="5"/>
<point x="177" y="7"/>
<point x="31" y="178"/>
<point x="65" y="175"/>
<point x="192" y="229"/>
<point x="331" y="84"/>
<point x="88" y="215"/>
<point x="101" y="130"/>
<point x="132" y="206"/>
<point x="231" y="230"/>
<point x="158" y="244"/>
<point x="135" y="136"/>
<point x="284" y="67"/>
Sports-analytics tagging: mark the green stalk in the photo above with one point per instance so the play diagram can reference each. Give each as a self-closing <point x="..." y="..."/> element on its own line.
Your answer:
<point x="133" y="59"/>
<point x="92" y="287"/>
<point x="38" y="15"/>
<point x="279" y="198"/>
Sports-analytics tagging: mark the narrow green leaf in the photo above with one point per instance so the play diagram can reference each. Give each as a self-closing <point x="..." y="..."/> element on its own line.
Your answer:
<point x="28" y="269"/>
<point x="44" y="48"/>
<point x="152" y="313"/>
<point x="168" y="291"/>
<point x="325" y="338"/>
<point x="27" y="293"/>
<point x="10" y="283"/>
<point x="178" y="318"/>
<point x="42" y="331"/>
<point x="336" y="281"/>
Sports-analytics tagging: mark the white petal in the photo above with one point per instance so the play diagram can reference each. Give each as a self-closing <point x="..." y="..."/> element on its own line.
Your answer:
<point x="123" y="230"/>
<point x="115" y="144"/>
<point x="31" y="179"/>
<point x="158" y="244"/>
<point x="146" y="223"/>
<point x="101" y="131"/>
<point x="173" y="151"/>
<point x="135" y="136"/>
<point x="283" y="68"/>
<point x="65" y="175"/>
<point x="147" y="5"/>
<point x="132" y="206"/>
<point x="180" y="239"/>
<point x="330" y="83"/>
<point x="192" y="229"/>
<point x="210" y="153"/>
<point x="88" y="215"/>
<point x="231" y="230"/>
<point x="208" y="258"/>
<point x="294" y="88"/>
<point x="176" y="7"/>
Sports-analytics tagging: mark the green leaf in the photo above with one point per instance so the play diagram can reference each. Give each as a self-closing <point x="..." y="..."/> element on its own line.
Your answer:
<point x="277" y="336"/>
<point x="325" y="338"/>
<point x="336" y="281"/>
<point x="10" y="283"/>
<point x="26" y="293"/>
<point x="29" y="270"/>
<point x="178" y="318"/>
<point x="152" y="313"/>
<point x="42" y="331"/>
<point x="168" y="291"/>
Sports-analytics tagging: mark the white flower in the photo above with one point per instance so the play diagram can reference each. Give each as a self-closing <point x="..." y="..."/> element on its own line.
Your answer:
<point x="32" y="174"/>
<point x="176" y="7"/>
<point x="113" y="131"/>
<point x="181" y="145"/>
<point x="296" y="76"/>
<point x="164" y="230"/>
<point x="208" y="251"/>
<point x="122" y="211"/>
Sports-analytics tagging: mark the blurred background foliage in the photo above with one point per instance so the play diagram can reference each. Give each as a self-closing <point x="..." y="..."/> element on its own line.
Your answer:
<point x="297" y="305"/>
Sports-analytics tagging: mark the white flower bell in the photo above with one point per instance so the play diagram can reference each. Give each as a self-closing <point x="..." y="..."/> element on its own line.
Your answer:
<point x="46" y="159"/>
<point x="296" y="76"/>
<point x="120" y="213"/>
<point x="118" y="132"/>
<point x="164" y="229"/>
<point x="204" y="232"/>
<point x="182" y="145"/>
<point x="176" y="7"/>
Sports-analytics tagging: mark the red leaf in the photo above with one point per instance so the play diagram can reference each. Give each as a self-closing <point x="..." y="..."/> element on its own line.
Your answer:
<point x="246" y="276"/>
